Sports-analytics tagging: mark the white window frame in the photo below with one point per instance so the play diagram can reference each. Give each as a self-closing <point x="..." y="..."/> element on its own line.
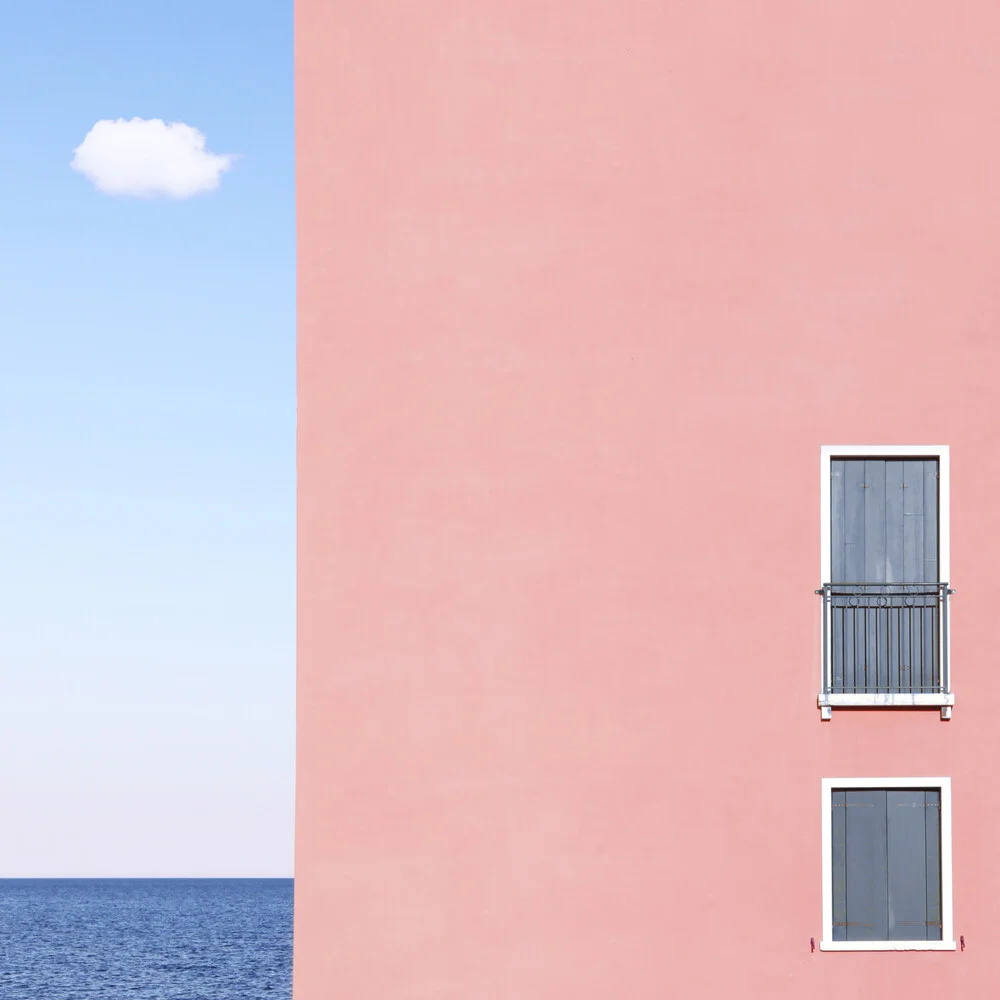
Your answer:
<point x="827" y="453"/>
<point x="947" y="942"/>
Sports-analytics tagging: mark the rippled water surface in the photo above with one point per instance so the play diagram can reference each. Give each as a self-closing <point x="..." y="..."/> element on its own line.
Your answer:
<point x="145" y="939"/>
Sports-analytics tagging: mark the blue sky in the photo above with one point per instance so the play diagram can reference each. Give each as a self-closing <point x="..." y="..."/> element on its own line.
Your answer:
<point x="147" y="420"/>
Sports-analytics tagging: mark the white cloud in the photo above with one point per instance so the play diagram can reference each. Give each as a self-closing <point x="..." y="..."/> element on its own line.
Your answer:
<point x="148" y="158"/>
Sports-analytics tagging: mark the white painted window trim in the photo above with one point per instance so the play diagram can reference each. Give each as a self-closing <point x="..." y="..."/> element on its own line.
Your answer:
<point x="827" y="453"/>
<point x="947" y="942"/>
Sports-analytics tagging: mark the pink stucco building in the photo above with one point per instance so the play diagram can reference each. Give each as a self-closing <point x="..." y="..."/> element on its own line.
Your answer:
<point x="626" y="326"/>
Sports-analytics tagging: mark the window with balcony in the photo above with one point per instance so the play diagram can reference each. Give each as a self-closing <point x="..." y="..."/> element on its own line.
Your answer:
<point x="885" y="591"/>
<point x="887" y="864"/>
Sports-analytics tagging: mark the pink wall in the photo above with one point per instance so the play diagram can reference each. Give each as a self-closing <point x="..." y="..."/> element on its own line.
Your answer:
<point x="583" y="289"/>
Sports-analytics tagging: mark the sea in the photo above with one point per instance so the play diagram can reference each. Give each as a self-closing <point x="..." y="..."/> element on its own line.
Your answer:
<point x="146" y="939"/>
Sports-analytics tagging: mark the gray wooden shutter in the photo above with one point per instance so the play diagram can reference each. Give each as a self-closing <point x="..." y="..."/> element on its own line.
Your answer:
<point x="886" y="864"/>
<point x="884" y="531"/>
<point x="884" y="520"/>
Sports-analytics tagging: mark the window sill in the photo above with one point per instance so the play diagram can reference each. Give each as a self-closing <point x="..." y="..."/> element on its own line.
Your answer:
<point x="945" y="702"/>
<point x="887" y="946"/>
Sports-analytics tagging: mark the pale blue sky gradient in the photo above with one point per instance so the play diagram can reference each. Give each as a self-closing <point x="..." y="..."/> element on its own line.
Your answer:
<point x="147" y="420"/>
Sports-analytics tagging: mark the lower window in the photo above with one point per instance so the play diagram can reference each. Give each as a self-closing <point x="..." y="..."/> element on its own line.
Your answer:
<point x="887" y="864"/>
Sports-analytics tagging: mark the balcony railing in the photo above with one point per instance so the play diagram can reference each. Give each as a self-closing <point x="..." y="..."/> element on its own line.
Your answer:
<point x="885" y="639"/>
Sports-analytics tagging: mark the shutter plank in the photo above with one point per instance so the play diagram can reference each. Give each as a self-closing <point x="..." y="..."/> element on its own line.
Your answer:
<point x="907" y="862"/>
<point x="845" y="655"/>
<point x="855" y="654"/>
<point x="859" y="616"/>
<point x="931" y="540"/>
<point x="875" y="536"/>
<point x="895" y="489"/>
<point x="838" y="814"/>
<point x="854" y="521"/>
<point x="911" y="673"/>
<point x="838" y="539"/>
<point x="867" y="885"/>
<point x="914" y="475"/>
<point x="837" y="569"/>
<point x="932" y="841"/>
<point x="876" y="678"/>
<point x="894" y="506"/>
<point x="928" y="623"/>
<point x="910" y="665"/>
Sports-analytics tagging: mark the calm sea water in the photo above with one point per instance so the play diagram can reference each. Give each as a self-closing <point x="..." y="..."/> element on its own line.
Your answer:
<point x="145" y="939"/>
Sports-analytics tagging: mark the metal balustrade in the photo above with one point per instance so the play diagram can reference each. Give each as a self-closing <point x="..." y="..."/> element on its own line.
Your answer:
<point x="885" y="638"/>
